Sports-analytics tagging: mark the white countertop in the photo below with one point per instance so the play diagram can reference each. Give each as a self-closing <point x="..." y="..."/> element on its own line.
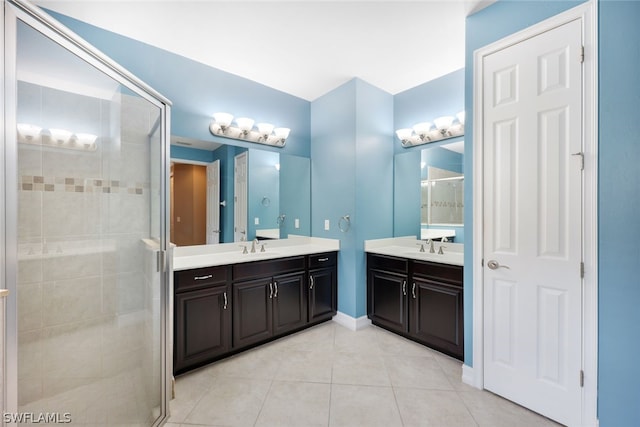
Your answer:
<point x="188" y="257"/>
<point x="409" y="247"/>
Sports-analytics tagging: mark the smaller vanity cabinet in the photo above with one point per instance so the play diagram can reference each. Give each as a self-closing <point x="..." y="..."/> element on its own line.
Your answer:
<point x="323" y="279"/>
<point x="202" y="328"/>
<point x="387" y="302"/>
<point x="269" y="298"/>
<point x="418" y="299"/>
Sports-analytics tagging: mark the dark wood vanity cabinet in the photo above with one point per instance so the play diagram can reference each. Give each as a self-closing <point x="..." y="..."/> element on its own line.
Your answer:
<point x="323" y="289"/>
<point x="202" y="327"/>
<point x="387" y="280"/>
<point x="221" y="310"/>
<point x="418" y="299"/>
<point x="264" y="308"/>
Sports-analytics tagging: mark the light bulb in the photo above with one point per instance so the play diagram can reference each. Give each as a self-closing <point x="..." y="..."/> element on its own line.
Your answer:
<point x="245" y="124"/>
<point x="282" y="133"/>
<point x="223" y="119"/>
<point x="404" y="134"/>
<point x="29" y="132"/>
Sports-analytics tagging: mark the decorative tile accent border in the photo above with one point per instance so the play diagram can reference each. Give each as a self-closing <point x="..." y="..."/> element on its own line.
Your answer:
<point x="80" y="185"/>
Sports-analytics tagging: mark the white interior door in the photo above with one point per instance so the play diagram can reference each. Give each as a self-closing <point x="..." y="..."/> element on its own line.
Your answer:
<point x="533" y="222"/>
<point x="240" y="198"/>
<point x="213" y="202"/>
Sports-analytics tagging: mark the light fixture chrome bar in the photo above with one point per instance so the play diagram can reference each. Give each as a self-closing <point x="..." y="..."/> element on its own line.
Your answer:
<point x="244" y="131"/>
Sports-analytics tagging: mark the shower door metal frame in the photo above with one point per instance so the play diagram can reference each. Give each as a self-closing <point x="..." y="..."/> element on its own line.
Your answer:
<point x="14" y="10"/>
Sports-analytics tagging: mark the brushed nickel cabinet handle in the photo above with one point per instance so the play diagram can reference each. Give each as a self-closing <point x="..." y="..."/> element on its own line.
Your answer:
<point x="270" y="290"/>
<point x="275" y="285"/>
<point x="312" y="281"/>
<point x="225" y="300"/>
<point x="323" y="259"/>
<point x="208" y="276"/>
<point x="413" y="290"/>
<point x="404" y="287"/>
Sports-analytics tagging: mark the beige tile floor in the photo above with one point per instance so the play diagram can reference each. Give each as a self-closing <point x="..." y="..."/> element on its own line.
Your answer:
<point x="330" y="376"/>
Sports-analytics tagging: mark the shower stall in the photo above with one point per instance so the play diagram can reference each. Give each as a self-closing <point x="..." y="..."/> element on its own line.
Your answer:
<point x="85" y="232"/>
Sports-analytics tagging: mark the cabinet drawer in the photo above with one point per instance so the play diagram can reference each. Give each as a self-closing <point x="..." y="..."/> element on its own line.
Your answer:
<point x="387" y="263"/>
<point x="439" y="272"/>
<point x="200" y="277"/>
<point x="322" y="260"/>
<point x="267" y="268"/>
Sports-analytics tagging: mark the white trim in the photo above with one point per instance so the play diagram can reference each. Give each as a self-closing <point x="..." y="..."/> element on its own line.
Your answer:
<point x="468" y="376"/>
<point x="351" y="322"/>
<point x="189" y="162"/>
<point x="587" y="12"/>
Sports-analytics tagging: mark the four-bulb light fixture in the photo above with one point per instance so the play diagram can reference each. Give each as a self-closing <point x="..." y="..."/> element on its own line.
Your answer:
<point x="58" y="138"/>
<point x="442" y="128"/>
<point x="264" y="133"/>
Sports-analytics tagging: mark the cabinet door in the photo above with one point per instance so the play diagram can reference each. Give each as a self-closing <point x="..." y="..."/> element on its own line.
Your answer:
<point x="252" y="312"/>
<point x="289" y="303"/>
<point x="437" y="316"/>
<point x="322" y="294"/>
<point x="387" y="303"/>
<point x="202" y="326"/>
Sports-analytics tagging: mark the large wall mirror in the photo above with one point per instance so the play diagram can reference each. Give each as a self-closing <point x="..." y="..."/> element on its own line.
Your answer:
<point x="223" y="193"/>
<point x="429" y="192"/>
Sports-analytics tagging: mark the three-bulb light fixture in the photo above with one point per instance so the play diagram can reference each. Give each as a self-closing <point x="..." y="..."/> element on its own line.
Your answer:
<point x="263" y="133"/>
<point x="425" y="132"/>
<point x="58" y="138"/>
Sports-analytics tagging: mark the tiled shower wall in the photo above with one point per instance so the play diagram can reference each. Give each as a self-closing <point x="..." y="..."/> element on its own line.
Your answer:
<point x="83" y="301"/>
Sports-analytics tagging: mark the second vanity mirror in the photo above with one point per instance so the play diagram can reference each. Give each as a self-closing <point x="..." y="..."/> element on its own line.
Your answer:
<point x="429" y="192"/>
<point x="237" y="194"/>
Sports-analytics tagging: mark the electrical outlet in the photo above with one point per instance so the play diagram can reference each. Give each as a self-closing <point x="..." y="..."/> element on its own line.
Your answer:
<point x="296" y="223"/>
<point x="326" y="224"/>
<point x="256" y="221"/>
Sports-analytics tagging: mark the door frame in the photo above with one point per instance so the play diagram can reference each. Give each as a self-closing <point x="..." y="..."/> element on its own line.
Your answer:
<point x="587" y="12"/>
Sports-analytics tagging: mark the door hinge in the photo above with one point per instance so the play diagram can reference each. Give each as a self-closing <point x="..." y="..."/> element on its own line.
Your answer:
<point x="482" y="262"/>
<point x="581" y="378"/>
<point x="581" y="154"/>
<point x="581" y="54"/>
<point x="582" y="269"/>
<point x="158" y="261"/>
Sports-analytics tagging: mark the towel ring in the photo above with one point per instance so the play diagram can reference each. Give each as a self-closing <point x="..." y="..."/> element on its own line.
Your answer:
<point x="344" y="223"/>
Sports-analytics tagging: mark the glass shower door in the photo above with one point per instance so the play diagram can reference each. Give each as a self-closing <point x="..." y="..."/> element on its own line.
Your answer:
<point x="90" y="311"/>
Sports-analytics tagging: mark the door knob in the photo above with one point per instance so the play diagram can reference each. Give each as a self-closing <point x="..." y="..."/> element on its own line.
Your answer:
<point x="494" y="265"/>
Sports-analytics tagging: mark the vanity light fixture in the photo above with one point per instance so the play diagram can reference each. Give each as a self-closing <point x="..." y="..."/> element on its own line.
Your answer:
<point x="266" y="133"/>
<point x="443" y="128"/>
<point x="58" y="138"/>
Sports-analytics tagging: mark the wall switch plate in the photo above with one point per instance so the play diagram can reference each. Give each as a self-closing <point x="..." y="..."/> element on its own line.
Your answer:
<point x="256" y="221"/>
<point x="296" y="223"/>
<point x="326" y="224"/>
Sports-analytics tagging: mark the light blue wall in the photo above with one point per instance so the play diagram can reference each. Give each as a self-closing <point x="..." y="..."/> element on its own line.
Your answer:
<point x="406" y="194"/>
<point x="197" y="91"/>
<point x="485" y="27"/>
<point x="619" y="204"/>
<point x="352" y="174"/>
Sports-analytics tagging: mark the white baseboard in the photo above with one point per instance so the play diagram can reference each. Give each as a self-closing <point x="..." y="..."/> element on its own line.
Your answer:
<point x="351" y="322"/>
<point x="468" y="377"/>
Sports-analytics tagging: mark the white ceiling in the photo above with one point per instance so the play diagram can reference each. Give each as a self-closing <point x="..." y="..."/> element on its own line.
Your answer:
<point x="302" y="47"/>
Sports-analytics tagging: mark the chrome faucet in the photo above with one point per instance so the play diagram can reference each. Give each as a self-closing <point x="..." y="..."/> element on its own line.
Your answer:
<point x="253" y="245"/>
<point x="429" y="242"/>
<point x="440" y="250"/>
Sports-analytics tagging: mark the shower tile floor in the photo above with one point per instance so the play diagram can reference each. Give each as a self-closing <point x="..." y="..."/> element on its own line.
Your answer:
<point x="330" y="376"/>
